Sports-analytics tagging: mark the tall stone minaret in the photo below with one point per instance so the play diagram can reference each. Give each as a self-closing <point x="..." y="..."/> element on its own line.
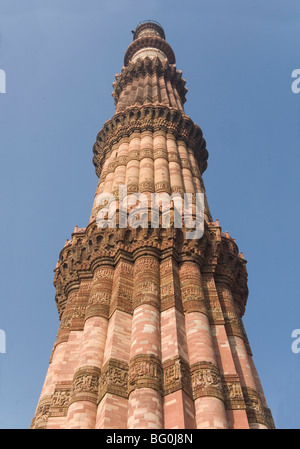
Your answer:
<point x="151" y="333"/>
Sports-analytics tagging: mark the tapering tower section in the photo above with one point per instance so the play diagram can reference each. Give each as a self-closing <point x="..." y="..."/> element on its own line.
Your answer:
<point x="149" y="74"/>
<point x="151" y="333"/>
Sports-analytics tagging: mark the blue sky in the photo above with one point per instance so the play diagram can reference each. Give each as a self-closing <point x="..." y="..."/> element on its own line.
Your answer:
<point x="60" y="60"/>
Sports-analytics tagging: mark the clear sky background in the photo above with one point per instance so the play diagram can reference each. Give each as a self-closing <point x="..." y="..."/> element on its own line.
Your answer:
<point x="60" y="59"/>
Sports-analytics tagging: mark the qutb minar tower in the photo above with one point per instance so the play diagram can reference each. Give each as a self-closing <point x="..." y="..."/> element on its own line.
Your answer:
<point x="151" y="333"/>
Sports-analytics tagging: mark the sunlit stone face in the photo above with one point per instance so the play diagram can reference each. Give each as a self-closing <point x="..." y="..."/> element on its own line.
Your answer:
<point x="150" y="52"/>
<point x="148" y="32"/>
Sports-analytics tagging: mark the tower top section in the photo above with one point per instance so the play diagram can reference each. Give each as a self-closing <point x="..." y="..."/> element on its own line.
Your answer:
<point x="148" y="28"/>
<point x="149" y="40"/>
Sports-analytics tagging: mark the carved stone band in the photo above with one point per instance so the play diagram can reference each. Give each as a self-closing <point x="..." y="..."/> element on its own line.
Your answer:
<point x="114" y="379"/>
<point x="269" y="418"/>
<point x="149" y="118"/>
<point x="177" y="376"/>
<point x="193" y="302"/>
<point x="215" y="314"/>
<point x="254" y="408"/>
<point x="233" y="325"/>
<point x="86" y="384"/>
<point x="145" y="371"/>
<point x="206" y="380"/>
<point x="98" y="304"/>
<point x="60" y="399"/>
<point x="65" y="324"/>
<point x="146" y="282"/>
<point x="42" y="413"/>
<point x="233" y="395"/>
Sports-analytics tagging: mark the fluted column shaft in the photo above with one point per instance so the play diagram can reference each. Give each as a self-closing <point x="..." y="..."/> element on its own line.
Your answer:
<point x="206" y="380"/>
<point x="113" y="393"/>
<point x="145" y="408"/>
<point x="84" y="396"/>
<point x="254" y="407"/>
<point x="234" y="401"/>
<point x="179" y="410"/>
<point x="56" y="387"/>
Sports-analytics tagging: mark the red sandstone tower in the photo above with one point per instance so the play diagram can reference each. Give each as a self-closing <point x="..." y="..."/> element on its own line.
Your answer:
<point x="151" y="332"/>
